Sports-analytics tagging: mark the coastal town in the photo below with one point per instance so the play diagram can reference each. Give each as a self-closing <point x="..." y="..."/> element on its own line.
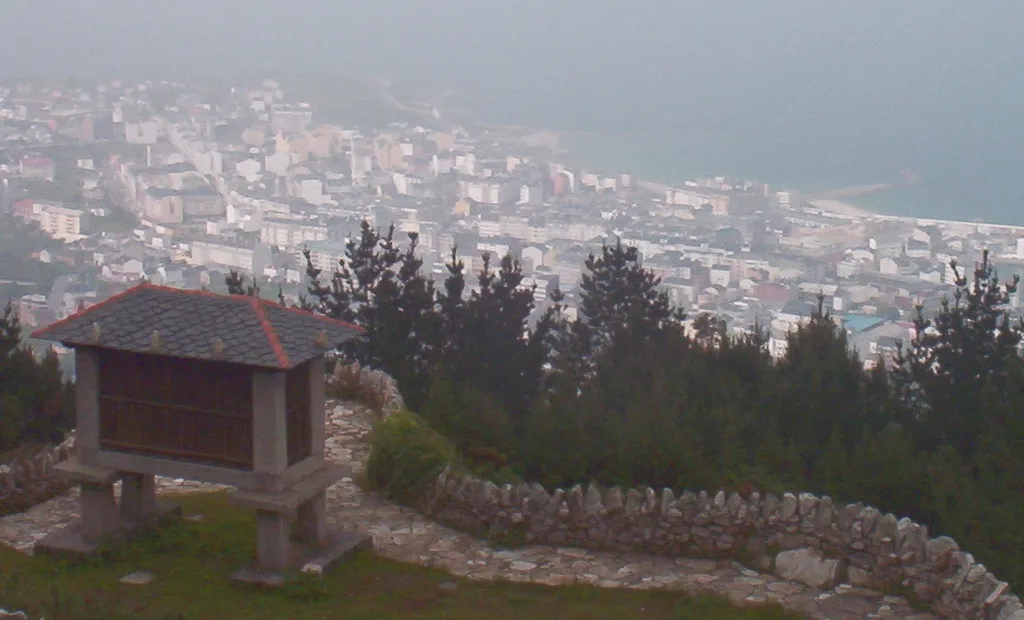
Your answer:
<point x="107" y="185"/>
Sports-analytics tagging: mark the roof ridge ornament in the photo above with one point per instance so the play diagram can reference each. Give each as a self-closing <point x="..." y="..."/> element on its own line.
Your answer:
<point x="321" y="339"/>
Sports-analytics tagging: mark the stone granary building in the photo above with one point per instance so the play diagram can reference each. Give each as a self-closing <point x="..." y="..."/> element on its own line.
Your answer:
<point x="225" y="389"/>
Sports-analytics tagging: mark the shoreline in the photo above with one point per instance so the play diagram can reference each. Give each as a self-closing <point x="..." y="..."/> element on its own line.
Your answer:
<point x="833" y="201"/>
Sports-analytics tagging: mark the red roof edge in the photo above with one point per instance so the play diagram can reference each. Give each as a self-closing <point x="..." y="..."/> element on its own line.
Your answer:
<point x="318" y="317"/>
<point x="268" y="329"/>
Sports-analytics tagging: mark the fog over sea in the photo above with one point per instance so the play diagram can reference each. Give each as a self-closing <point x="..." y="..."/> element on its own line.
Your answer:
<point x="803" y="94"/>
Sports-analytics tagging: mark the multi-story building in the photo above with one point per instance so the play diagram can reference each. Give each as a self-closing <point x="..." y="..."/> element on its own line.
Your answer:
<point x="250" y="257"/>
<point x="288" y="234"/>
<point x="58" y="221"/>
<point x="697" y="197"/>
<point x="325" y="255"/>
<point x="174" y="206"/>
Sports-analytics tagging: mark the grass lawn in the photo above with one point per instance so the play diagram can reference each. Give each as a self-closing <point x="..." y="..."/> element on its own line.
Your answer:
<point x="191" y="562"/>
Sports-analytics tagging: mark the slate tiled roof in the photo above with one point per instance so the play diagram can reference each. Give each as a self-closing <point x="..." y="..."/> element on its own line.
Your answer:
<point x="252" y="331"/>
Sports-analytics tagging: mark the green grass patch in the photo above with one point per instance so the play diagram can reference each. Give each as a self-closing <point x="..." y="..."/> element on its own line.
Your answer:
<point x="192" y="562"/>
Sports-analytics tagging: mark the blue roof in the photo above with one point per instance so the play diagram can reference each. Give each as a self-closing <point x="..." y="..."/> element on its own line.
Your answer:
<point x="860" y="322"/>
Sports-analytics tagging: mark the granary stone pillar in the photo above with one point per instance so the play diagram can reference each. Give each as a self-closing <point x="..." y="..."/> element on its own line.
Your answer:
<point x="316" y="407"/>
<point x="273" y="540"/>
<point x="311" y="519"/>
<point x="138" y="497"/>
<point x="270" y="459"/>
<point x="87" y="404"/>
<point x="98" y="506"/>
<point x="99" y="511"/>
<point x="269" y="432"/>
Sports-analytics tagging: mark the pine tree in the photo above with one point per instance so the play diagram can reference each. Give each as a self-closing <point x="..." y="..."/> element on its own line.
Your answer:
<point x="954" y="356"/>
<point x="709" y="330"/>
<point x="821" y="386"/>
<point x="619" y="298"/>
<point x="402" y="327"/>
<point x="238" y="284"/>
<point x="333" y="299"/>
<point x="10" y="331"/>
<point x="36" y="403"/>
<point x="499" y="357"/>
<point x="452" y="307"/>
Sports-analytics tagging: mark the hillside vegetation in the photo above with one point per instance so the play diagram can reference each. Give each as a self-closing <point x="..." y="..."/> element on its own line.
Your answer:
<point x="622" y="396"/>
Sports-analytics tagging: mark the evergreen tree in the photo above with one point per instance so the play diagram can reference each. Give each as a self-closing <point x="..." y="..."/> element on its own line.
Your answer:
<point x="452" y="307"/>
<point x="238" y="284"/>
<point x="498" y="354"/>
<point x="618" y="297"/>
<point x="333" y="299"/>
<point x="10" y="331"/>
<point x="36" y="403"/>
<point x="709" y="330"/>
<point x="821" y="386"/>
<point x="954" y="356"/>
<point x="402" y="326"/>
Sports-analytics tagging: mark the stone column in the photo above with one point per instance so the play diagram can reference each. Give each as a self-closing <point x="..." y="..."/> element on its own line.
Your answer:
<point x="99" y="511"/>
<point x="270" y="459"/>
<point x="87" y="404"/>
<point x="316" y="408"/>
<point x="269" y="432"/>
<point x="138" y="497"/>
<point x="273" y="540"/>
<point x="311" y="521"/>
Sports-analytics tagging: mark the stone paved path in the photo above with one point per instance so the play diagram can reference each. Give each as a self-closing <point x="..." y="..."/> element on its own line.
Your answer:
<point x="404" y="535"/>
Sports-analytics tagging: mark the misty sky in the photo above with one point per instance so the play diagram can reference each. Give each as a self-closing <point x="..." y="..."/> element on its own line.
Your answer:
<point x="916" y="75"/>
<point x="867" y="58"/>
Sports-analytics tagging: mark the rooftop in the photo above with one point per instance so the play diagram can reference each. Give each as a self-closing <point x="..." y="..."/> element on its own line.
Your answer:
<point x="201" y="325"/>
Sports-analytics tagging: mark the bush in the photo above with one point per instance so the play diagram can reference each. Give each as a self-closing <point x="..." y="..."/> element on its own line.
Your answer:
<point x="406" y="456"/>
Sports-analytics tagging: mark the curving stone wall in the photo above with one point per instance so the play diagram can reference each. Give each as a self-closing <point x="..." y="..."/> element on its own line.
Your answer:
<point x="373" y="387"/>
<point x="802" y="537"/>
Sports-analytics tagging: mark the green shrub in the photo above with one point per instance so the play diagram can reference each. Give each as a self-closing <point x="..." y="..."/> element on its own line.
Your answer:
<point x="406" y="456"/>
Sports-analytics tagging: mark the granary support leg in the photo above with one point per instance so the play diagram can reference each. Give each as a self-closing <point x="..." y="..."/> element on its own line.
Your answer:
<point x="138" y="497"/>
<point x="99" y="511"/>
<point x="312" y="519"/>
<point x="273" y="540"/>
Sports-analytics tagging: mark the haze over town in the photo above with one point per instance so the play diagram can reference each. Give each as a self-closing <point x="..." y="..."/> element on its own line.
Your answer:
<point x="736" y="144"/>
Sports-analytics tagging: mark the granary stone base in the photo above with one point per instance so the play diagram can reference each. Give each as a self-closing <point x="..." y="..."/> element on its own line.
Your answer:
<point x="337" y="546"/>
<point x="279" y="546"/>
<point x="102" y="520"/>
<point x="73" y="540"/>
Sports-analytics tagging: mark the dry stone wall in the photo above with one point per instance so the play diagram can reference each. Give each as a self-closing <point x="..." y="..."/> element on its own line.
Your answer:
<point x="26" y="481"/>
<point x="373" y="387"/>
<point x="801" y="537"/>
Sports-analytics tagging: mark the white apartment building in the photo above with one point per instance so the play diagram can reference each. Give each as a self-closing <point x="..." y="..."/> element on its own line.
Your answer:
<point x="489" y="228"/>
<point x="514" y="226"/>
<point x="288" y="234"/>
<point x="488" y="192"/>
<point x="60" y="222"/>
<point x="254" y="259"/>
<point x="325" y="255"/>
